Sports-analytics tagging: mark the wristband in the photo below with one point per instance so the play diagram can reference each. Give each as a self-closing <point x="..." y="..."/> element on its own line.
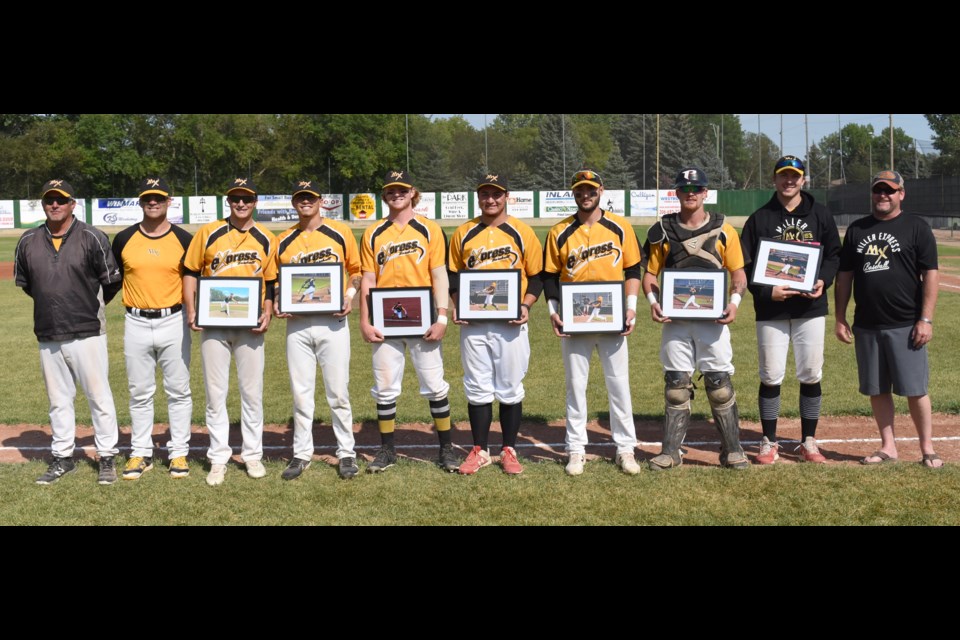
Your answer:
<point x="632" y="303"/>
<point x="524" y="304"/>
<point x="927" y="320"/>
<point x="351" y="292"/>
<point x="442" y="319"/>
<point x="735" y="300"/>
<point x="552" y="306"/>
<point x="652" y="298"/>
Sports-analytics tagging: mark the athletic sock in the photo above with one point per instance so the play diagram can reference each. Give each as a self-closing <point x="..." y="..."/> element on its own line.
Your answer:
<point x="440" y="410"/>
<point x="387" y="417"/>
<point x="811" y="396"/>
<point x="769" y="400"/>
<point x="481" y="415"/>
<point x="510" y="415"/>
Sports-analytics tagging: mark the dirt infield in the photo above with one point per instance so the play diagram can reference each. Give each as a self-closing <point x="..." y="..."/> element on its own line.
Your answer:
<point x="6" y="270"/>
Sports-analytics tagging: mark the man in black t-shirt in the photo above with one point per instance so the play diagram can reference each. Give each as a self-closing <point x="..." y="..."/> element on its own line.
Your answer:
<point x="890" y="259"/>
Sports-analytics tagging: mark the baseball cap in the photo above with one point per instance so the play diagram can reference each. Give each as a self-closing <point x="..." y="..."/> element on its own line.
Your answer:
<point x="494" y="180"/>
<point x="889" y="177"/>
<point x="154" y="185"/>
<point x="242" y="184"/>
<point x="789" y="163"/>
<point x="305" y="186"/>
<point x="586" y="176"/>
<point x="401" y="178"/>
<point x="691" y="175"/>
<point x="60" y="186"/>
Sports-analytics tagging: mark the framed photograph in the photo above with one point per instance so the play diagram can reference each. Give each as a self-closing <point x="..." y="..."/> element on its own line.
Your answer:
<point x="311" y="288"/>
<point x="592" y="307"/>
<point x="694" y="293"/>
<point x="490" y="294"/>
<point x="229" y="302"/>
<point x="402" y="313"/>
<point x="790" y="264"/>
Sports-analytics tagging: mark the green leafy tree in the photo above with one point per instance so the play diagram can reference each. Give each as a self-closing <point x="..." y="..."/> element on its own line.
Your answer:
<point x="616" y="174"/>
<point x="946" y="139"/>
<point x="558" y="141"/>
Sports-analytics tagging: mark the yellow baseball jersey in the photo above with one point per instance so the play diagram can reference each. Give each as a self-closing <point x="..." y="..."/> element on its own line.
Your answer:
<point x="726" y="249"/>
<point x="510" y="245"/>
<point x="332" y="241"/>
<point x="219" y="249"/>
<point x="152" y="267"/>
<point x="403" y="256"/>
<point x="600" y="252"/>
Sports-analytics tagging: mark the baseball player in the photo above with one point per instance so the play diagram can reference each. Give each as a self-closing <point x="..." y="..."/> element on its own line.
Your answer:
<point x="594" y="245"/>
<point x="67" y="268"/>
<point x="406" y="250"/>
<point x="225" y="305"/>
<point x="495" y="355"/>
<point x="785" y="269"/>
<point x="692" y="300"/>
<point x="310" y="285"/>
<point x="787" y="316"/>
<point x="695" y="239"/>
<point x="237" y="247"/>
<point x="489" y="291"/>
<point x="322" y="340"/>
<point x="151" y="256"/>
<point x="595" y="307"/>
<point x="399" y="311"/>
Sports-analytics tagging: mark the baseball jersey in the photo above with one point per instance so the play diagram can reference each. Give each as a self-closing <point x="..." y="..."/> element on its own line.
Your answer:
<point x="332" y="241"/>
<point x="403" y="256"/>
<point x="600" y="252"/>
<point x="151" y="266"/>
<point x="726" y="248"/>
<point x="220" y="249"/>
<point x="510" y="245"/>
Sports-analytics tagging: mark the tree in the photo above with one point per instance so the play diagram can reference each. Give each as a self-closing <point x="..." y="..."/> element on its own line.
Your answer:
<point x="678" y="147"/>
<point x="616" y="174"/>
<point x="946" y="139"/>
<point x="558" y="141"/>
<point x="764" y="155"/>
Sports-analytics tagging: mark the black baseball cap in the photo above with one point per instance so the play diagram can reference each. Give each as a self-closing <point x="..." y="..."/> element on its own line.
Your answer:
<point x="789" y="163"/>
<point x="154" y="185"/>
<point x="494" y="180"/>
<point x="305" y="186"/>
<point x="242" y="184"/>
<point x="586" y="176"/>
<point x="60" y="186"/>
<point x="691" y="176"/>
<point x="401" y="178"/>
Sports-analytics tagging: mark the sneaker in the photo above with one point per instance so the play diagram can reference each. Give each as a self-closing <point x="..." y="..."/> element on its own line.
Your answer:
<point x="628" y="463"/>
<point x="768" y="452"/>
<point x="386" y="457"/>
<point x="136" y="467"/>
<point x="255" y="469"/>
<point x="476" y="460"/>
<point x="295" y="469"/>
<point x="108" y="470"/>
<point x="575" y="465"/>
<point x="347" y="468"/>
<point x="179" y="467"/>
<point x="735" y="460"/>
<point x="509" y="463"/>
<point x="57" y="469"/>
<point x="809" y="452"/>
<point x="448" y="459"/>
<point x="217" y="474"/>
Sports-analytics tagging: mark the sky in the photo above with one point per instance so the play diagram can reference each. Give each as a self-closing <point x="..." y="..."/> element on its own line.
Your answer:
<point x="820" y="125"/>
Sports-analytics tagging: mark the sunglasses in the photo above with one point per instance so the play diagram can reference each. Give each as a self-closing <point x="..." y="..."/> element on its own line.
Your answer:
<point x="691" y="188"/>
<point x="153" y="197"/>
<point x="61" y="200"/>
<point x="879" y="191"/>
<point x="243" y="199"/>
<point x="580" y="176"/>
<point x="793" y="162"/>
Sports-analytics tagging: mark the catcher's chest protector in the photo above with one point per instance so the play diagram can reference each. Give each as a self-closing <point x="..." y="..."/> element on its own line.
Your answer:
<point x="693" y="249"/>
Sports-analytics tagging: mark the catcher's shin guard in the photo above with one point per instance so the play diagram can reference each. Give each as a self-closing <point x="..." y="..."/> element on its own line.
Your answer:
<point x="678" y="392"/>
<point x="726" y="417"/>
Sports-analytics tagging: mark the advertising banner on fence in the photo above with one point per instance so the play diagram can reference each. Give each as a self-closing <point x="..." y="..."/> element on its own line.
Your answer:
<point x="32" y="215"/>
<point x="331" y="206"/>
<point x="203" y="209"/>
<point x="519" y="204"/>
<point x="643" y="203"/>
<point x="614" y="201"/>
<point x="454" y="206"/>
<point x="427" y="207"/>
<point x="272" y="209"/>
<point x="6" y="214"/>
<point x="123" y="212"/>
<point x="362" y="207"/>
<point x="557" y="204"/>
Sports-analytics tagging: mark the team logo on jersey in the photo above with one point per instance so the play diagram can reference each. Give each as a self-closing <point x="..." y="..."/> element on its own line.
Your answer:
<point x="794" y="230"/>
<point x="877" y="248"/>
<point x="481" y="256"/>
<point x="225" y="260"/>
<point x="324" y="255"/>
<point x="582" y="255"/>
<point x="392" y="250"/>
<point x="154" y="252"/>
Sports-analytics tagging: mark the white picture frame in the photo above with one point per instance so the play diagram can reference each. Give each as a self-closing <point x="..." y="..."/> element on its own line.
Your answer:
<point x="229" y="302"/>
<point x="795" y="265"/>
<point x="311" y="288"/>
<point x="478" y="290"/>
<point x="592" y="307"/>
<point x="694" y="293"/>
<point x="415" y="311"/>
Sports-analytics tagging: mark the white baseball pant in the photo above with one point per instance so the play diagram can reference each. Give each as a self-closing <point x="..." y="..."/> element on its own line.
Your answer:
<point x="323" y="340"/>
<point x="62" y="364"/>
<point x="691" y="345"/>
<point x="216" y="348"/>
<point x="615" y="359"/>
<point x="773" y="341"/>
<point x="488" y="300"/>
<point x="147" y="343"/>
<point x="495" y="357"/>
<point x="389" y="362"/>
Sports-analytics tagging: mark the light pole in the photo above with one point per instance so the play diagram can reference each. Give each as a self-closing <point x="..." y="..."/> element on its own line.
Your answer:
<point x="486" y="149"/>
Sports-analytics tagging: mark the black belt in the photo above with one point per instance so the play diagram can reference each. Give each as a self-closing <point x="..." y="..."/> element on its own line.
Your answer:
<point x="153" y="314"/>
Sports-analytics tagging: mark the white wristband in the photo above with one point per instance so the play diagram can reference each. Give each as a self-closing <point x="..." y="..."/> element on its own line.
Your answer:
<point x="631" y="303"/>
<point x="552" y="306"/>
<point x="351" y="292"/>
<point x="442" y="319"/>
<point x="735" y="300"/>
<point x="652" y="298"/>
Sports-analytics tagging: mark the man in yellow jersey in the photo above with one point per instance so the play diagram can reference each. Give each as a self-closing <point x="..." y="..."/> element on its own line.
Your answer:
<point x="238" y="247"/>
<point x="695" y="239"/>
<point x="406" y="250"/>
<point x="151" y="256"/>
<point x="316" y="339"/>
<point x="594" y="245"/>
<point x="495" y="355"/>
<point x="66" y="266"/>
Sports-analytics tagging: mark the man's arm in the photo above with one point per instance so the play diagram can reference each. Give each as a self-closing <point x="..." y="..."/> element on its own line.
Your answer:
<point x="190" y="300"/>
<point x="841" y="297"/>
<point x="923" y="330"/>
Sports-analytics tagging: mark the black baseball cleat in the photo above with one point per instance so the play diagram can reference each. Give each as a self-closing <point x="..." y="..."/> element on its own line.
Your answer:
<point x="295" y="469"/>
<point x="347" y="468"/>
<point x="57" y="469"/>
<point x="108" y="470"/>
<point x="448" y="460"/>
<point x="386" y="457"/>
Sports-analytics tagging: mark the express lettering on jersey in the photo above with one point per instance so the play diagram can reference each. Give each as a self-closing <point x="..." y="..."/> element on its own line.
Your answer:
<point x="481" y="256"/>
<point x="391" y="250"/>
<point x="228" y="259"/>
<point x="878" y="246"/>
<point x="324" y="255"/>
<point x="795" y="230"/>
<point x="582" y="255"/>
